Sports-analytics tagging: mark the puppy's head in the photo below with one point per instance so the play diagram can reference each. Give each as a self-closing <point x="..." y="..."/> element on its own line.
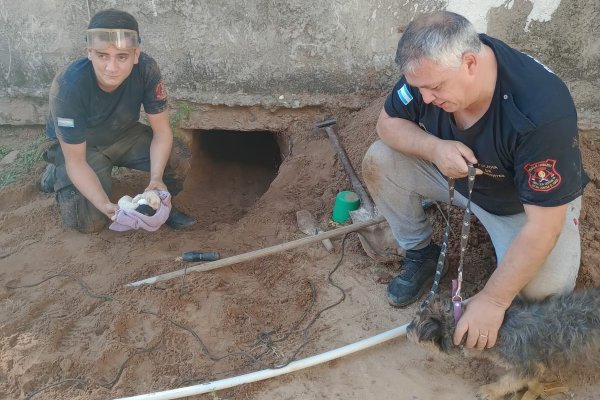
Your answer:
<point x="433" y="326"/>
<point x="152" y="197"/>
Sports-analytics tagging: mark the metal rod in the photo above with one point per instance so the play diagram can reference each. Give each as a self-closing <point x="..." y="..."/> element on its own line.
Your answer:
<point x="258" y="253"/>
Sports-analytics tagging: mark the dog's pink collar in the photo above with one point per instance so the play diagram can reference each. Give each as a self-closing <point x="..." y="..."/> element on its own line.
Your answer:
<point x="456" y="301"/>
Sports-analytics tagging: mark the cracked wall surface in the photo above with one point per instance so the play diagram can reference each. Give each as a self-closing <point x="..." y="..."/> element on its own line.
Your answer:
<point x="290" y="54"/>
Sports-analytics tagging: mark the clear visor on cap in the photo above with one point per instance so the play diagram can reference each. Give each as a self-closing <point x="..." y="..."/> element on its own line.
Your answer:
<point x="120" y="38"/>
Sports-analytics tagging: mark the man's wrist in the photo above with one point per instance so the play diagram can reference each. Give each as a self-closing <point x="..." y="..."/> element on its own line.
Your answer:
<point x="429" y="148"/>
<point x="502" y="300"/>
<point x="109" y="209"/>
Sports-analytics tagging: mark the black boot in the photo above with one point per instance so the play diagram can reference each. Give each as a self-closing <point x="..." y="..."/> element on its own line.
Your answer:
<point x="48" y="178"/>
<point x="179" y="220"/>
<point x="417" y="274"/>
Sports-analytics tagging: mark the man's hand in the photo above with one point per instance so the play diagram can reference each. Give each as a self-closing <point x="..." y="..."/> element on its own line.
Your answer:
<point x="109" y="209"/>
<point x="481" y="322"/>
<point x="451" y="158"/>
<point x="405" y="136"/>
<point x="156" y="184"/>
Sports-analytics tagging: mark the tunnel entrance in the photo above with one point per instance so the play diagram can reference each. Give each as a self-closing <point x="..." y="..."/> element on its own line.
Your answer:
<point x="230" y="171"/>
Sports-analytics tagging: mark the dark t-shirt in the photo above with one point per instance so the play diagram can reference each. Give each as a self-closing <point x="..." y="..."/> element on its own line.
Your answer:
<point x="526" y="143"/>
<point x="82" y="112"/>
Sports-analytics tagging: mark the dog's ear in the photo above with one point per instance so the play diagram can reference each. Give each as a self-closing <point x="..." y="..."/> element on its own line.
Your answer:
<point x="434" y="330"/>
<point x="445" y="343"/>
<point x="430" y="330"/>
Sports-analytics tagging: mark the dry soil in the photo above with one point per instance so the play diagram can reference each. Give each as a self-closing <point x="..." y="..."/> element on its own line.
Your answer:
<point x="72" y="330"/>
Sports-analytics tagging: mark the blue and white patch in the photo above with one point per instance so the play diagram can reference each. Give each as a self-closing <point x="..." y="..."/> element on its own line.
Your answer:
<point x="404" y="95"/>
<point x="65" y="122"/>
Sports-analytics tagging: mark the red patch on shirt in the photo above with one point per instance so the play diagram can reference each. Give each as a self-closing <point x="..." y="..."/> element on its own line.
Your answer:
<point x="543" y="176"/>
<point x="160" y="92"/>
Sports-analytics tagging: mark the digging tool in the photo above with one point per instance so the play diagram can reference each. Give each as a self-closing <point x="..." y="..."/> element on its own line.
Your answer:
<point x="377" y="240"/>
<point x="365" y="200"/>
<point x="209" y="266"/>
<point x="307" y="224"/>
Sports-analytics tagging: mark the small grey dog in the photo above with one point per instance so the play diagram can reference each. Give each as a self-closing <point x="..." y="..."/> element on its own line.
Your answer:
<point x="558" y="337"/>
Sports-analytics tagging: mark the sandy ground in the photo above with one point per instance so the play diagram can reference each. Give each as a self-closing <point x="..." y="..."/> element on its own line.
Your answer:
<point x="75" y="326"/>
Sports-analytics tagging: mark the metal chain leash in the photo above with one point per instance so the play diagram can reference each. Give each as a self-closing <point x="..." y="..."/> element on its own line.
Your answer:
<point x="464" y="237"/>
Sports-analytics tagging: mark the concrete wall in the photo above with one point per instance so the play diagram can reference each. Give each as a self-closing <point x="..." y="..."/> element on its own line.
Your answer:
<point x="273" y="53"/>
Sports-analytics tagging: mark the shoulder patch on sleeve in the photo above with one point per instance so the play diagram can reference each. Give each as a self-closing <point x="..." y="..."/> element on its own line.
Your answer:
<point x="543" y="176"/>
<point x="160" y="92"/>
<point x="65" y="122"/>
<point x="404" y="95"/>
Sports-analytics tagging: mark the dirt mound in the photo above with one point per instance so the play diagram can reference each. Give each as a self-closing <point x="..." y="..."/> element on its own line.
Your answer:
<point x="74" y="331"/>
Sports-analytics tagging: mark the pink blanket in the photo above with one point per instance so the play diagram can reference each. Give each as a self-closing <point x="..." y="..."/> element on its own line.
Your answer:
<point x="125" y="220"/>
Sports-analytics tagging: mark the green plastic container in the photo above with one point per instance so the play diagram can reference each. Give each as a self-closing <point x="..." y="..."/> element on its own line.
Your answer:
<point x="344" y="203"/>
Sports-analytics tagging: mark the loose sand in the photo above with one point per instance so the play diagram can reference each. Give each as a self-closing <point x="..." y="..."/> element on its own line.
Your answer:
<point x="96" y="339"/>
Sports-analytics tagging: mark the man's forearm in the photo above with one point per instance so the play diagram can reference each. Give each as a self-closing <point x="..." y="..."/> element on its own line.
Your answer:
<point x="522" y="261"/>
<point x="449" y="156"/>
<point x="406" y="137"/>
<point x="160" y="151"/>
<point x="86" y="181"/>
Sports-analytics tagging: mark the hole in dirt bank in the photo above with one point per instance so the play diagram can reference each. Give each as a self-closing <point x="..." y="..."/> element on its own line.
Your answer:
<point x="230" y="171"/>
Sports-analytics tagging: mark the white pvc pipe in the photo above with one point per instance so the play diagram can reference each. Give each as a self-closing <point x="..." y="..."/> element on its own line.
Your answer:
<point x="269" y="373"/>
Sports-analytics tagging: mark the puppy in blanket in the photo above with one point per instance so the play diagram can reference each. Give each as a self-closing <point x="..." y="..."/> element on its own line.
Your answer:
<point x="148" y="211"/>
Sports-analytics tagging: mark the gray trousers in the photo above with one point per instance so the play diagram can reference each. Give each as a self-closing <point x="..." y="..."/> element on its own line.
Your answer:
<point x="397" y="184"/>
<point x="132" y="151"/>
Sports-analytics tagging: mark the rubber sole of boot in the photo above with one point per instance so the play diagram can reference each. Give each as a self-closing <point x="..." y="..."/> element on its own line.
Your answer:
<point x="177" y="226"/>
<point x="413" y="299"/>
